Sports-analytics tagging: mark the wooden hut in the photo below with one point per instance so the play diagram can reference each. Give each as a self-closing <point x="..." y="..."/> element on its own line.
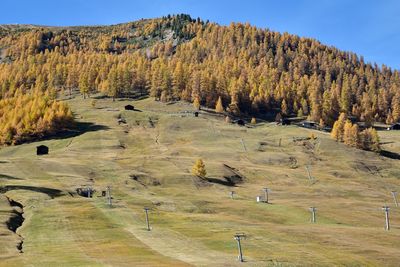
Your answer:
<point x="129" y="107"/>
<point x="241" y="122"/>
<point x="395" y="126"/>
<point x="285" y="121"/>
<point x="42" y="150"/>
<point x="309" y="124"/>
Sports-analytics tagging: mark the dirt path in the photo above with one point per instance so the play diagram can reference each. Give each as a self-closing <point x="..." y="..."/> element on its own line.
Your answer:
<point x="174" y="245"/>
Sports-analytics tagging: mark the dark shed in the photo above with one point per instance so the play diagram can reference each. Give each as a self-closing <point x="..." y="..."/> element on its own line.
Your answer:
<point x="286" y="122"/>
<point x="241" y="122"/>
<point x="395" y="126"/>
<point x="309" y="124"/>
<point x="129" y="107"/>
<point x="42" y="150"/>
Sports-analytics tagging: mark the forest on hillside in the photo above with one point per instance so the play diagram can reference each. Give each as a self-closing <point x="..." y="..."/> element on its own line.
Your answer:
<point x="254" y="71"/>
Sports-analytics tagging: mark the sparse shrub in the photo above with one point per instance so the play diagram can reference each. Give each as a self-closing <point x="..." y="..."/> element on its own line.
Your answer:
<point x="93" y="103"/>
<point x="199" y="169"/>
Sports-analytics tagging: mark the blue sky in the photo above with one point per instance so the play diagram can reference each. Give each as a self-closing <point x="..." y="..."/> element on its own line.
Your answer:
<point x="370" y="27"/>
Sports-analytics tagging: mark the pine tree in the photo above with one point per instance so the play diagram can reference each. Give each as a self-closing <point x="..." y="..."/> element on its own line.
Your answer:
<point x="396" y="108"/>
<point x="113" y="83"/>
<point x="345" y="96"/>
<point x="338" y="128"/>
<point x="219" y="107"/>
<point x="335" y="133"/>
<point x="389" y="118"/>
<point x="284" y="108"/>
<point x="196" y="103"/>
<point x="347" y="137"/>
<point x="322" y="124"/>
<point x="84" y="84"/>
<point x="199" y="169"/>
<point x="375" y="144"/>
<point x="355" y="136"/>
<point x="370" y="140"/>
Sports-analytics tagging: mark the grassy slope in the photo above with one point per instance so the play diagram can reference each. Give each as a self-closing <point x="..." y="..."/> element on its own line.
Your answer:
<point x="194" y="223"/>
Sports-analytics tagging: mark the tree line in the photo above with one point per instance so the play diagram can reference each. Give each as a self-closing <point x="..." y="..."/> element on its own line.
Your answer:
<point x="251" y="70"/>
<point x="25" y="117"/>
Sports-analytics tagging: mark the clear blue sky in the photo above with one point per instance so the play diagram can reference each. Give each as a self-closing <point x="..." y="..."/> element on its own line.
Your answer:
<point x="368" y="27"/>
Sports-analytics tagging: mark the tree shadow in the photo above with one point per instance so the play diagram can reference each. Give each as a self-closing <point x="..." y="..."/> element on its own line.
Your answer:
<point x="389" y="154"/>
<point x="386" y="143"/>
<point x="78" y="129"/>
<point x="221" y="182"/>
<point x="8" y="177"/>
<point x="53" y="193"/>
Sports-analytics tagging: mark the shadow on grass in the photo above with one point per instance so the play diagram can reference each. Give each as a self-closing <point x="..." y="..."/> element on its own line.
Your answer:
<point x="77" y="129"/>
<point x="389" y="154"/>
<point x="221" y="182"/>
<point x="53" y="193"/>
<point x="8" y="177"/>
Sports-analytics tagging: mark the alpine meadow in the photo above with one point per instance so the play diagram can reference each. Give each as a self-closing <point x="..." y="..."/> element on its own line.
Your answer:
<point x="177" y="141"/>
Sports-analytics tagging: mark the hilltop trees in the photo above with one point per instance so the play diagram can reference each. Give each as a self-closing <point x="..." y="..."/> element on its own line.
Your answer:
<point x="250" y="69"/>
<point x="348" y="133"/>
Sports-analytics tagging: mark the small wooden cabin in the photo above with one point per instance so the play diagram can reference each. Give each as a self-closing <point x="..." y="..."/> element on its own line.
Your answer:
<point x="129" y="107"/>
<point x="85" y="192"/>
<point x="42" y="150"/>
<point x="241" y="122"/>
<point x="285" y="122"/>
<point x="309" y="124"/>
<point x="395" y="126"/>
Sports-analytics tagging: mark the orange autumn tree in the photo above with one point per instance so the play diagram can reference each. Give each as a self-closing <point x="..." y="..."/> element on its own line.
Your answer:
<point x="30" y="116"/>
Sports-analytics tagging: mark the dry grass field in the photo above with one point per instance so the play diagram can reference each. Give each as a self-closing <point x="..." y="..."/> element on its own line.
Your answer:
<point x="147" y="162"/>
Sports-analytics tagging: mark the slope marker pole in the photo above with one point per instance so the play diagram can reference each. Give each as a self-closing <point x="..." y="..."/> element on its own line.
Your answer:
<point x="309" y="174"/>
<point x="394" y="194"/>
<point x="313" y="214"/>
<point x="387" y="224"/>
<point x="109" y="201"/>
<point x="146" y="210"/>
<point x="266" y="194"/>
<point x="238" y="237"/>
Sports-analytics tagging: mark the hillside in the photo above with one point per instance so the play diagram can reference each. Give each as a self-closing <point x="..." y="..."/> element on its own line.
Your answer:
<point x="147" y="163"/>
<point x="66" y="89"/>
<point x="255" y="71"/>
